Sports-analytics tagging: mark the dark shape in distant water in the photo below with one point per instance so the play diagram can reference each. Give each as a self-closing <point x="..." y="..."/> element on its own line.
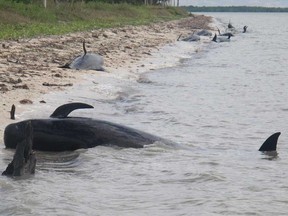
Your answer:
<point x="230" y="26"/>
<point x="87" y="61"/>
<point x="219" y="39"/>
<point x="245" y="29"/>
<point x="63" y="133"/>
<point x="225" y="34"/>
<point x="24" y="160"/>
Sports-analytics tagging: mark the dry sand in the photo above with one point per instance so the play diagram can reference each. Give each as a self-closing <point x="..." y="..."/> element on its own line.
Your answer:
<point x="30" y="67"/>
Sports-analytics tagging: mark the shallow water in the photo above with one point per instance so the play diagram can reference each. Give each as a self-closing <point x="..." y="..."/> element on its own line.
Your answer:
<point x="221" y="103"/>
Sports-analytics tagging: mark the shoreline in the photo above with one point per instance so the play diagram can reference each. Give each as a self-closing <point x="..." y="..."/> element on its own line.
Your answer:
<point x="28" y="63"/>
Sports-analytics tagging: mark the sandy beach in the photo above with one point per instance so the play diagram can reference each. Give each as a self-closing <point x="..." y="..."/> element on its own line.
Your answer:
<point x="29" y="68"/>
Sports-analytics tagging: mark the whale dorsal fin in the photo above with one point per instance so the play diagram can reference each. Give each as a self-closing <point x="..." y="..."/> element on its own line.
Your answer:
<point x="271" y="143"/>
<point x="64" y="110"/>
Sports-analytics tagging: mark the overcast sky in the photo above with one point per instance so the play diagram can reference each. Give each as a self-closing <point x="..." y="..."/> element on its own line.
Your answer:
<point x="263" y="3"/>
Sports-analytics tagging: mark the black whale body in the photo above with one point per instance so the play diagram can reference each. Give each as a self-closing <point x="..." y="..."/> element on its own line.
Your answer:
<point x="62" y="133"/>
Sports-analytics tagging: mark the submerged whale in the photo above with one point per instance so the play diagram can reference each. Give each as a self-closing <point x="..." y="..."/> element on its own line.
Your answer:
<point x="269" y="147"/>
<point x="87" y="61"/>
<point x="225" y="33"/>
<point x="63" y="133"/>
<point x="230" y="26"/>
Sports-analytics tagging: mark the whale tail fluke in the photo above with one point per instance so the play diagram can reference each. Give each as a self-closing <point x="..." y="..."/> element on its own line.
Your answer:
<point x="271" y="143"/>
<point x="64" y="110"/>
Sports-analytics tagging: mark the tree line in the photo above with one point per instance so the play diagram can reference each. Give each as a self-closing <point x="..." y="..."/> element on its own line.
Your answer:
<point x="234" y="9"/>
<point x="134" y="2"/>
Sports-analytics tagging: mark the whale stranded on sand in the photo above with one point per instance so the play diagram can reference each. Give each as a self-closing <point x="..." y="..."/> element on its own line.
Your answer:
<point x="204" y="32"/>
<point x="190" y="38"/>
<point x="63" y="133"/>
<point x="86" y="61"/>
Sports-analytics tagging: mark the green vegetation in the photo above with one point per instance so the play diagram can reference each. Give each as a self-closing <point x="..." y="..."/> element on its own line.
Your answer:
<point x="234" y="9"/>
<point x="18" y="19"/>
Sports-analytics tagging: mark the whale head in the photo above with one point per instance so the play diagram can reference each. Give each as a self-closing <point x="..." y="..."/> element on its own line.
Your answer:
<point x="14" y="134"/>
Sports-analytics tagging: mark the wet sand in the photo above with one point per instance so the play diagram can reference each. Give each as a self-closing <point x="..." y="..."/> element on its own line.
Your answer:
<point x="29" y="68"/>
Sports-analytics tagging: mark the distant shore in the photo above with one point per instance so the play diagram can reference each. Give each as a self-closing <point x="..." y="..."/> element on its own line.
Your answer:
<point x="29" y="68"/>
<point x="244" y="9"/>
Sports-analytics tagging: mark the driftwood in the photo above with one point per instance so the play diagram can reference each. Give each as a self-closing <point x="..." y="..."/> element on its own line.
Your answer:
<point x="24" y="160"/>
<point x="26" y="101"/>
<point x="60" y="85"/>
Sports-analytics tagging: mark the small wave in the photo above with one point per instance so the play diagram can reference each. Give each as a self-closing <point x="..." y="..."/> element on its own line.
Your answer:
<point x="205" y="177"/>
<point x="200" y="178"/>
<point x="143" y="79"/>
<point x="58" y="161"/>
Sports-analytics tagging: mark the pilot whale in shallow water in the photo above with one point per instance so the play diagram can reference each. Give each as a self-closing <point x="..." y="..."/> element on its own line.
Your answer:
<point x="219" y="39"/>
<point x="225" y="33"/>
<point x="63" y="133"/>
<point x="87" y="61"/>
<point x="269" y="147"/>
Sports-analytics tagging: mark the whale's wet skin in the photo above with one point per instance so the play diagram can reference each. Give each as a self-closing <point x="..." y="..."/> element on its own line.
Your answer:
<point x="222" y="102"/>
<point x="63" y="133"/>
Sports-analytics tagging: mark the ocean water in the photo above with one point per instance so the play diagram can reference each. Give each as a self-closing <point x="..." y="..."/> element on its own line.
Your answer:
<point x="219" y="104"/>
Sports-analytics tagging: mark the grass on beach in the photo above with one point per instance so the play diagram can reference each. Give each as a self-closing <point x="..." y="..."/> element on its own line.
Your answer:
<point x="19" y="20"/>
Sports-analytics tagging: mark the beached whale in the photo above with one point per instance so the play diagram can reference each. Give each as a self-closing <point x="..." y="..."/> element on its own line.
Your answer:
<point x="86" y="61"/>
<point x="63" y="133"/>
<point x="189" y="38"/>
<point x="204" y="32"/>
